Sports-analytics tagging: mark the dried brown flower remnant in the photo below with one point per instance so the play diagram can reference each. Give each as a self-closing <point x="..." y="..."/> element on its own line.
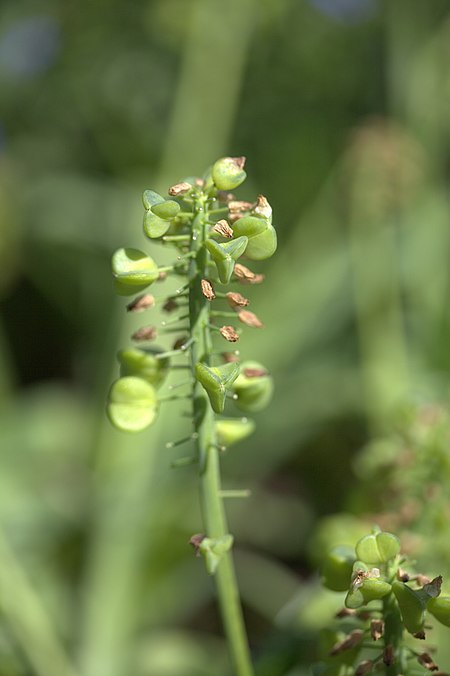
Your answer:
<point x="376" y="629"/>
<point x="420" y="635"/>
<point x="422" y="580"/>
<point x="246" y="276"/>
<point x="196" y="541"/>
<point x="236" y="300"/>
<point x="254" y="373"/>
<point x="145" y="333"/>
<point x="180" y="189"/>
<point x="364" y="667"/>
<point x="170" y="305"/>
<point x="229" y="334"/>
<point x="224" y="196"/>
<point x="207" y="289"/>
<point x="162" y="277"/>
<point x="237" y="208"/>
<point x="388" y="655"/>
<point x="348" y="642"/>
<point x="179" y="343"/>
<point x="239" y="161"/>
<point x="199" y="182"/>
<point x="402" y="575"/>
<point x="250" y="319"/>
<point x="262" y="207"/>
<point x="141" y="303"/>
<point x="426" y="661"/>
<point x="223" y="228"/>
<point x="343" y="612"/>
<point x="230" y="357"/>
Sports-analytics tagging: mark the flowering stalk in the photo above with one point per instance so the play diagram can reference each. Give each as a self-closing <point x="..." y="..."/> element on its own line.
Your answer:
<point x="208" y="253"/>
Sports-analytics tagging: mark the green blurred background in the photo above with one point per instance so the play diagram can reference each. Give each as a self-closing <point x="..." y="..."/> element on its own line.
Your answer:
<point x="342" y="109"/>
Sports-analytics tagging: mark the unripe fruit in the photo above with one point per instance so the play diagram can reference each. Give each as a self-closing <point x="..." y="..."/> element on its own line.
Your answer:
<point x="144" y="363"/>
<point x="133" y="271"/>
<point x="337" y="568"/>
<point x="132" y="404"/>
<point x="377" y="547"/>
<point x="253" y="391"/>
<point x="228" y="173"/>
<point x="440" y="609"/>
<point x="411" y="607"/>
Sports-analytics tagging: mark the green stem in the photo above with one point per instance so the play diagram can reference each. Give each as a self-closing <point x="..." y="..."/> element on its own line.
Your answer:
<point x="208" y="454"/>
<point x="393" y="635"/>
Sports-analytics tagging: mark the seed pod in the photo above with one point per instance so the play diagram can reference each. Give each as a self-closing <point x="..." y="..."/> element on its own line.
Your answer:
<point x="132" y="404"/>
<point x="371" y="589"/>
<point x="143" y="362"/>
<point x="440" y="609"/>
<point x="228" y="173"/>
<point x="150" y="198"/>
<point x="411" y="607"/>
<point x="337" y="568"/>
<point x="213" y="549"/>
<point x="377" y="547"/>
<point x="230" y="431"/>
<point x="224" y="255"/>
<point x="167" y="209"/>
<point x="216" y="380"/>
<point x="262" y="238"/>
<point x="253" y="387"/>
<point x="133" y="271"/>
<point x="154" y="226"/>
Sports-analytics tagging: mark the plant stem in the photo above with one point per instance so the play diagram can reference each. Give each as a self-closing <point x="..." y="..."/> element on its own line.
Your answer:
<point x="208" y="454"/>
<point x="393" y="634"/>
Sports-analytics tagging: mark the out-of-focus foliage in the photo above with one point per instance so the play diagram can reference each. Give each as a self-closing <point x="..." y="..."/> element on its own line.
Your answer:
<point x="342" y="110"/>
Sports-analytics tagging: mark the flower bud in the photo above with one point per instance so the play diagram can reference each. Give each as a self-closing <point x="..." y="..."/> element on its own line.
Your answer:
<point x="216" y="380"/>
<point x="377" y="547"/>
<point x="132" y="404"/>
<point x="133" y="271"/>
<point x="337" y="568"/>
<point x="167" y="209"/>
<point x="253" y="391"/>
<point x="144" y="363"/>
<point x="411" y="607"/>
<point x="230" y="431"/>
<point x="154" y="226"/>
<point x="228" y="173"/>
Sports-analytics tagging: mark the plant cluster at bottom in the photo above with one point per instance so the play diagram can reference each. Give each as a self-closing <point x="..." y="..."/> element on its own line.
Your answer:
<point x="385" y="614"/>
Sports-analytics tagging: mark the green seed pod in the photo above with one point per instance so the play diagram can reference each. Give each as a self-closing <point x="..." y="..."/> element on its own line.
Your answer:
<point x="133" y="271"/>
<point x="224" y="255"/>
<point x="228" y="173"/>
<point x="132" y="404"/>
<point x="262" y="238"/>
<point x="167" y="210"/>
<point x="144" y="363"/>
<point x="232" y="430"/>
<point x="216" y="380"/>
<point x="411" y="606"/>
<point x="250" y="226"/>
<point x="213" y="549"/>
<point x="377" y="547"/>
<point x="154" y="226"/>
<point x="254" y="387"/>
<point x="440" y="609"/>
<point x="150" y="198"/>
<point x="337" y="568"/>
<point x="371" y="589"/>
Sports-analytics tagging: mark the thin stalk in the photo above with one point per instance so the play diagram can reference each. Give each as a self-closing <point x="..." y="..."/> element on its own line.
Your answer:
<point x="207" y="450"/>
<point x="393" y="635"/>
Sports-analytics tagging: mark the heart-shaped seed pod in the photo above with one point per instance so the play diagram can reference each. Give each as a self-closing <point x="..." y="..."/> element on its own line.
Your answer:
<point x="232" y="430"/>
<point x="253" y="387"/>
<point x="133" y="271"/>
<point x="154" y="226"/>
<point x="371" y="589"/>
<point x="132" y="404"/>
<point x="224" y="255"/>
<point x="144" y="363"/>
<point x="228" y="173"/>
<point x="262" y="238"/>
<point x="337" y="568"/>
<point x="377" y="547"/>
<point x="411" y="606"/>
<point x="440" y="609"/>
<point x="167" y="209"/>
<point x="216" y="380"/>
<point x="150" y="198"/>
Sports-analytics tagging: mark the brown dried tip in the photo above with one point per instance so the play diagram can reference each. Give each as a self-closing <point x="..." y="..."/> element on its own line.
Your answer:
<point x="262" y="207"/>
<point x="254" y="373"/>
<point x="240" y="205"/>
<point x="239" y="161"/>
<point x="364" y="668"/>
<point x="180" y="189"/>
<point x="236" y="300"/>
<point x="207" y="289"/>
<point x="426" y="661"/>
<point x="170" y="305"/>
<point x="162" y="277"/>
<point x="250" y="319"/>
<point x="402" y="575"/>
<point x="230" y="357"/>
<point x="246" y="276"/>
<point x="433" y="588"/>
<point x="229" y="334"/>
<point x="223" y="228"/>
<point x="178" y="344"/>
<point x="348" y="642"/>
<point x="141" y="303"/>
<point x="422" y="580"/>
<point x="388" y="655"/>
<point x="420" y="635"/>
<point x="145" y="333"/>
<point x="376" y="629"/>
<point x="224" y="196"/>
<point x="345" y="612"/>
<point x="199" y="182"/>
<point x="196" y="541"/>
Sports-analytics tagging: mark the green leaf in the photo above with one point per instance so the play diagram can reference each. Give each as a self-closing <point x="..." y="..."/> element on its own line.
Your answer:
<point x="378" y="548"/>
<point x="132" y="404"/>
<point x="216" y="380"/>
